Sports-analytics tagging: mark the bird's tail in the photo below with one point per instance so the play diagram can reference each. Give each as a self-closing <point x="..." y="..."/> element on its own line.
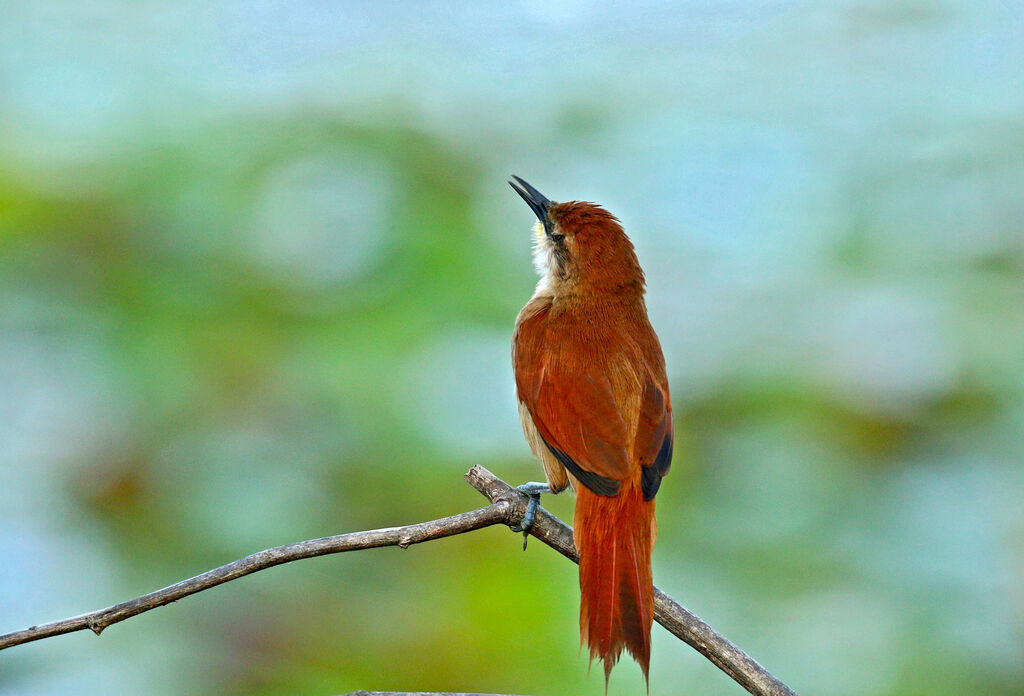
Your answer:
<point x="614" y="536"/>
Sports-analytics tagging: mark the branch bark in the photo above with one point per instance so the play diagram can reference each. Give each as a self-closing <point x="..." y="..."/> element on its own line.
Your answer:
<point x="416" y="693"/>
<point x="392" y="536"/>
<point x="508" y="505"/>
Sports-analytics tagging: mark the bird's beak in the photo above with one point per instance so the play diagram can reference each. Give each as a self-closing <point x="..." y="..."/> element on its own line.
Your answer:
<point x="537" y="201"/>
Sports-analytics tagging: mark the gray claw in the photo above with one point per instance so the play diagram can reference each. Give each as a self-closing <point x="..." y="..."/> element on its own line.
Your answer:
<point x="532" y="489"/>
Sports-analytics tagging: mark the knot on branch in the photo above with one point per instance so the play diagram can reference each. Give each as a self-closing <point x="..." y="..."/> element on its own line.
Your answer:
<point x="515" y="503"/>
<point x="499" y="492"/>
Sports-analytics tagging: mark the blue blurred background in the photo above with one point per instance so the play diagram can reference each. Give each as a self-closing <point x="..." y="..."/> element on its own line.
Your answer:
<point x="258" y="273"/>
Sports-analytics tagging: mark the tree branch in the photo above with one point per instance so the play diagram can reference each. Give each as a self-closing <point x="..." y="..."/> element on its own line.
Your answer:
<point x="415" y="693"/>
<point x="391" y="536"/>
<point x="508" y="505"/>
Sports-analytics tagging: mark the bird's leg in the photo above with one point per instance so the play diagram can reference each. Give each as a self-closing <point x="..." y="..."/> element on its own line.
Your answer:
<point x="532" y="489"/>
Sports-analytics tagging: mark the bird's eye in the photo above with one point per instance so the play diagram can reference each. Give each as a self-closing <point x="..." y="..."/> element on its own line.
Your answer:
<point x="557" y="238"/>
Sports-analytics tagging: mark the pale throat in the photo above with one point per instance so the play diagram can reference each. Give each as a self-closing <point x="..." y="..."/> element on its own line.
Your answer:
<point x="544" y="261"/>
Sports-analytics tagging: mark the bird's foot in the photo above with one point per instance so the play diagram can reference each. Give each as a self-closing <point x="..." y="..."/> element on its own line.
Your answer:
<point x="532" y="489"/>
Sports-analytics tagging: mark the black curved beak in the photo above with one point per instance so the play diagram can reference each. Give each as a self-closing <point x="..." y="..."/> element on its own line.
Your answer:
<point x="537" y="201"/>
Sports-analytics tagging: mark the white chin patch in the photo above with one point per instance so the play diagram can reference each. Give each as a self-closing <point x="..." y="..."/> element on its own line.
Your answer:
<point x="543" y="255"/>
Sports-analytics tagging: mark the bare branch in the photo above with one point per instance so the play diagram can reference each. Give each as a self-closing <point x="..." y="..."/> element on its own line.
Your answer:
<point x="392" y="536"/>
<point x="415" y="693"/>
<point x="507" y="507"/>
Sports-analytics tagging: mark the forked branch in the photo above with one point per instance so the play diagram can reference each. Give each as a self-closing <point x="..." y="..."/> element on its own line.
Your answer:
<point x="507" y="507"/>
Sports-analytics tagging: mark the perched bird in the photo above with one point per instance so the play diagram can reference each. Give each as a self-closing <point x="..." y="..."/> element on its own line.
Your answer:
<point x="595" y="408"/>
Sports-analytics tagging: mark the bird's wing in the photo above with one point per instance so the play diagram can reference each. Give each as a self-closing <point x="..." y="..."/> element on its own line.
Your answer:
<point x="654" y="432"/>
<point x="581" y="417"/>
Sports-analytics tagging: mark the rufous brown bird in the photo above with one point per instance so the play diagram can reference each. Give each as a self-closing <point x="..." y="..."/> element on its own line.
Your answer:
<point x="595" y="408"/>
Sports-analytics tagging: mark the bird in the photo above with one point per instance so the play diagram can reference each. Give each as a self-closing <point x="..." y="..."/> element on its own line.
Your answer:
<point x="595" y="408"/>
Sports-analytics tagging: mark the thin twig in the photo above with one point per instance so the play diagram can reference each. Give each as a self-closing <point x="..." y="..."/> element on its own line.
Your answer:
<point x="392" y="536"/>
<point x="415" y="693"/>
<point x="507" y="507"/>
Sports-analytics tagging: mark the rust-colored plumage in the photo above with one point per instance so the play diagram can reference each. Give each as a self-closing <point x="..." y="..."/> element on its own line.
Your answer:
<point x="595" y="407"/>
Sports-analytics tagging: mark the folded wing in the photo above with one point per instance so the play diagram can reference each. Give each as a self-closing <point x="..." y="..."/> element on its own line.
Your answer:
<point x="601" y="435"/>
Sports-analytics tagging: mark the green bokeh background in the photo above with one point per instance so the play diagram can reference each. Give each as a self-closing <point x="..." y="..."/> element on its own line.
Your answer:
<point x="258" y="272"/>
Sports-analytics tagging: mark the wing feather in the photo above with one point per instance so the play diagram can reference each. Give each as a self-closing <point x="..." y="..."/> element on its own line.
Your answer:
<point x="585" y="420"/>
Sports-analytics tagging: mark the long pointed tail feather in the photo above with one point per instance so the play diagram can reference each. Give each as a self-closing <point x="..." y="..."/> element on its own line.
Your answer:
<point x="614" y="535"/>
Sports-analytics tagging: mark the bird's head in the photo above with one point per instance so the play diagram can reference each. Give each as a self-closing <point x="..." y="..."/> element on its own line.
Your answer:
<point x="580" y="247"/>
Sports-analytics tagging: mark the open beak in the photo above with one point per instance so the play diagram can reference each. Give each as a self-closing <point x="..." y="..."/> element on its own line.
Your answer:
<point x="537" y="201"/>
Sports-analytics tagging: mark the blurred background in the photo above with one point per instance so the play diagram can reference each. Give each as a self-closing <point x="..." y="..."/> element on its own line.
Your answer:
<point x="259" y="267"/>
